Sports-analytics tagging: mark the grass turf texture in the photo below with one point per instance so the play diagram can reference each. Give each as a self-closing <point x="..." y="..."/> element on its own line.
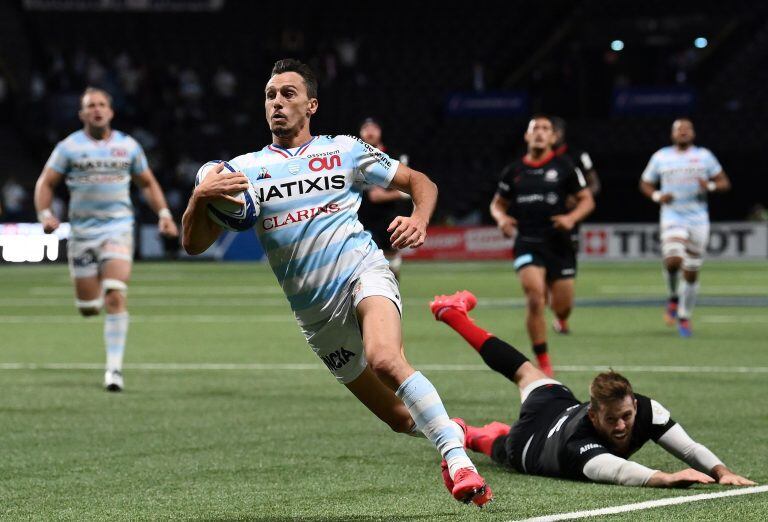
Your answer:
<point x="293" y="444"/>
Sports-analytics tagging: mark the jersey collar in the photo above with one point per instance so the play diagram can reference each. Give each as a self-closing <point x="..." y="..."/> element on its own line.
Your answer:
<point x="286" y="153"/>
<point x="543" y="161"/>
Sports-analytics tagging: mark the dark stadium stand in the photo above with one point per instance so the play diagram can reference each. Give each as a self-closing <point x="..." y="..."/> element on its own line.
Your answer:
<point x="399" y="65"/>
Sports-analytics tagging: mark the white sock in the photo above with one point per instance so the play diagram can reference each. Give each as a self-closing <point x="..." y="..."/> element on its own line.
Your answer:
<point x="427" y="410"/>
<point x="115" y="332"/>
<point x="688" y="294"/>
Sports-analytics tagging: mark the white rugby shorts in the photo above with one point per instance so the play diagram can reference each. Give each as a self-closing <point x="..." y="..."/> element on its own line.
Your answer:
<point x="338" y="340"/>
<point x="85" y="255"/>
<point x="695" y="239"/>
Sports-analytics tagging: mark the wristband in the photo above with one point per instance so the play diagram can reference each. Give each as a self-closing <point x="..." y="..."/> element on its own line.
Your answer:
<point x="164" y="213"/>
<point x="656" y="196"/>
<point x="711" y="186"/>
<point x="44" y="214"/>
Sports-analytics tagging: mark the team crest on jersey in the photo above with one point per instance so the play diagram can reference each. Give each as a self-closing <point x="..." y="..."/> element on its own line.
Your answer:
<point x="263" y="173"/>
<point x="550" y="175"/>
<point x="118" y="152"/>
<point x="294" y="167"/>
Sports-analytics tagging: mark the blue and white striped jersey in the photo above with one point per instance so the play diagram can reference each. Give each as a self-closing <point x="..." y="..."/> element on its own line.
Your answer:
<point x="678" y="173"/>
<point x="98" y="174"/>
<point x="308" y="223"/>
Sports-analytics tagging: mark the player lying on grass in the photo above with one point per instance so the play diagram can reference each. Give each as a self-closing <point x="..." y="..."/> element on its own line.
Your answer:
<point x="343" y="295"/>
<point x="558" y="436"/>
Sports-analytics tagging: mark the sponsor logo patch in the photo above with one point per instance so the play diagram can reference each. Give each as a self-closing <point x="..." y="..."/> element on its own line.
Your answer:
<point x="588" y="447"/>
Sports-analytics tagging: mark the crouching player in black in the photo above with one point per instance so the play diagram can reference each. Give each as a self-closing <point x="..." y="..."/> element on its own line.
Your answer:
<point x="558" y="436"/>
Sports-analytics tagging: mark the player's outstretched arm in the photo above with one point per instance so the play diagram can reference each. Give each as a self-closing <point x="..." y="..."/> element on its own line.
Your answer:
<point x="154" y="196"/>
<point x="198" y="231"/>
<point x="411" y="231"/>
<point x="611" y="469"/>
<point x="677" y="442"/>
<point x="679" y="479"/>
<point x="44" y="187"/>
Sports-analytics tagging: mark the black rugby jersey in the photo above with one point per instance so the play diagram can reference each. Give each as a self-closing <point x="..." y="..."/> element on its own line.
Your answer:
<point x="537" y="191"/>
<point x="579" y="157"/>
<point x="562" y="447"/>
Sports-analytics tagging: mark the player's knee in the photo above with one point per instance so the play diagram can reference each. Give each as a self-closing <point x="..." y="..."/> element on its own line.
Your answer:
<point x="114" y="294"/>
<point x="403" y="425"/>
<point x="535" y="301"/>
<point x="90" y="307"/>
<point x="691" y="276"/>
<point x="386" y="367"/>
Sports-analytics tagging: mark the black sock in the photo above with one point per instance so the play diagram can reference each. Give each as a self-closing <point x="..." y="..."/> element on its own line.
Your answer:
<point x="502" y="357"/>
<point x="540" y="348"/>
<point x="499" y="453"/>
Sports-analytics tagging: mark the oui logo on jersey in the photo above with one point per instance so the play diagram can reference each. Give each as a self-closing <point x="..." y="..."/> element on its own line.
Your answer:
<point x="325" y="163"/>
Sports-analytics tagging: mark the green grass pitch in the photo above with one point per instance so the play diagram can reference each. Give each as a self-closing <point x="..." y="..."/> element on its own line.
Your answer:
<point x="244" y="442"/>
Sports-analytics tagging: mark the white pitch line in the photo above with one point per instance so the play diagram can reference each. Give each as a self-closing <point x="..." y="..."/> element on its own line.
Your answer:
<point x="170" y="290"/>
<point x="740" y="319"/>
<point x="657" y="289"/>
<point x="626" y="508"/>
<point x="318" y="366"/>
<point x="154" y="319"/>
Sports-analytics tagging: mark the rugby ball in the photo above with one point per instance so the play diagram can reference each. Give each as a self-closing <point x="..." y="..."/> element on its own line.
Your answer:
<point x="225" y="213"/>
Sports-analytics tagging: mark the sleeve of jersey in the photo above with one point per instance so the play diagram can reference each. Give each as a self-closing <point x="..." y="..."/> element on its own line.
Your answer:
<point x="611" y="469"/>
<point x="504" y="188"/>
<point x="58" y="160"/>
<point x="713" y="166"/>
<point x="576" y="180"/>
<point x="139" y="163"/>
<point x="373" y="165"/>
<point x="677" y="442"/>
<point x="651" y="172"/>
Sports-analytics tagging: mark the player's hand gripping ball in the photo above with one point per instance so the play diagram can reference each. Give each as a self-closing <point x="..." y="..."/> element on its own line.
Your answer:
<point x="228" y="215"/>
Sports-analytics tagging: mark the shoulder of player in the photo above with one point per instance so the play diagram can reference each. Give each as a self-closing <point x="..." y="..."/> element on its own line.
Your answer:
<point x="250" y="159"/>
<point x="514" y="165"/>
<point x="347" y="142"/>
<point x="651" y="411"/>
<point x="703" y="151"/>
<point x="74" y="138"/>
<point x="122" y="138"/>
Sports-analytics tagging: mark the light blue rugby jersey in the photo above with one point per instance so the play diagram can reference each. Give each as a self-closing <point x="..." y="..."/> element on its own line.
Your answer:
<point x="678" y="173"/>
<point x="98" y="175"/>
<point x="308" y="224"/>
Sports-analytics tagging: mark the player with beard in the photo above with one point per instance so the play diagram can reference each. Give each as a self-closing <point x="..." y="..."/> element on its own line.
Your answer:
<point x="686" y="175"/>
<point x="530" y="205"/>
<point x="556" y="435"/>
<point x="381" y="205"/>
<point x="343" y="295"/>
<point x="583" y="161"/>
<point x="98" y="164"/>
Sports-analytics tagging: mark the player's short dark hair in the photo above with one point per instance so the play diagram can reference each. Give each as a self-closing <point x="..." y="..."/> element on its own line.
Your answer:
<point x="683" y="118"/>
<point x="608" y="387"/>
<point x="542" y="116"/>
<point x="370" y="121"/>
<point x="558" y="123"/>
<point x="302" y="69"/>
<point x="93" y="90"/>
